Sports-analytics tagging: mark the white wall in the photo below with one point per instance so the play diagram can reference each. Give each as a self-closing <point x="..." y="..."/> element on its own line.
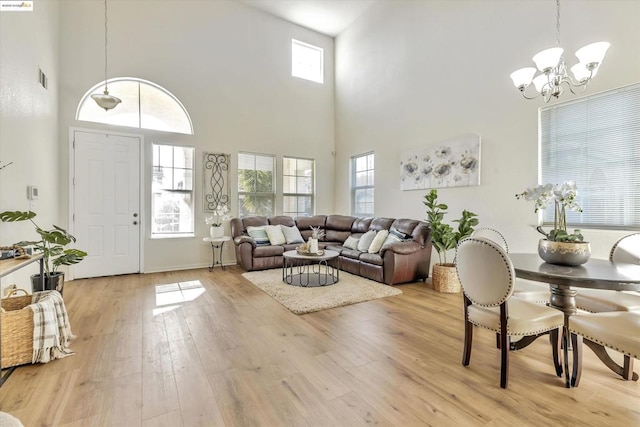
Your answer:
<point x="412" y="73"/>
<point x="28" y="123"/>
<point x="230" y="66"/>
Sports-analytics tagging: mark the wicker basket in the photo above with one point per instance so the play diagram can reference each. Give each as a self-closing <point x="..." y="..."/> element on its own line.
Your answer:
<point x="17" y="331"/>
<point x="445" y="278"/>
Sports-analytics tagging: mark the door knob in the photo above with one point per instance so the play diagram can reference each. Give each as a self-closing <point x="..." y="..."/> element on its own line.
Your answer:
<point x="135" y="222"/>
<point x="135" y="215"/>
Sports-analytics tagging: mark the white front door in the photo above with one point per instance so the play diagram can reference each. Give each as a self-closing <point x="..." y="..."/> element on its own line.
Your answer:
<point x="106" y="202"/>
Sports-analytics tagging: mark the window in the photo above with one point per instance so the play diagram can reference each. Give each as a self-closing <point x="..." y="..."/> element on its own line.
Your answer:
<point x="297" y="186"/>
<point x="256" y="184"/>
<point x="172" y="191"/>
<point x="307" y="61"/>
<point x="595" y="141"/>
<point x="144" y="105"/>
<point x="362" y="168"/>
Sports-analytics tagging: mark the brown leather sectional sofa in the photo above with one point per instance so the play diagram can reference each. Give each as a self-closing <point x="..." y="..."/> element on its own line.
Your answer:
<point x="396" y="262"/>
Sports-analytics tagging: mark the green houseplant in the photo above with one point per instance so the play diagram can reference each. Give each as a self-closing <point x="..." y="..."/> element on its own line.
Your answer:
<point x="52" y="246"/>
<point x="445" y="237"/>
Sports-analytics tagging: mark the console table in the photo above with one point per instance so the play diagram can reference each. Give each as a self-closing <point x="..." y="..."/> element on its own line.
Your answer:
<point x="8" y="266"/>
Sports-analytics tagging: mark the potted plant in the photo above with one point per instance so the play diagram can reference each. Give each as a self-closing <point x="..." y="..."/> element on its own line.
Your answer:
<point x="52" y="246"/>
<point x="220" y="214"/>
<point x="444" y="238"/>
<point x="559" y="246"/>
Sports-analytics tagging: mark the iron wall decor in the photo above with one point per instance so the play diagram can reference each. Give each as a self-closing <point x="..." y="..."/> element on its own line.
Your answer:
<point x="451" y="163"/>
<point x="215" y="185"/>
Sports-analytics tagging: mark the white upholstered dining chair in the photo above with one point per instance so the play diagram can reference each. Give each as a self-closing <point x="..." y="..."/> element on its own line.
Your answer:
<point x="618" y="330"/>
<point x="626" y="250"/>
<point x="487" y="277"/>
<point x="524" y="289"/>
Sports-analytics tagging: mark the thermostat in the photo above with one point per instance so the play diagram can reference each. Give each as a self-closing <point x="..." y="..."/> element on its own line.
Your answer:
<point x="32" y="192"/>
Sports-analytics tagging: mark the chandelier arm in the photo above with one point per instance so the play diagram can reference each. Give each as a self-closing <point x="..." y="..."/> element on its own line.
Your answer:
<point x="524" y="94"/>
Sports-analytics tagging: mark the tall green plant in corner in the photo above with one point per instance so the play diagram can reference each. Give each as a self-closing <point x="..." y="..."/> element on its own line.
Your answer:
<point x="443" y="236"/>
<point x="51" y="244"/>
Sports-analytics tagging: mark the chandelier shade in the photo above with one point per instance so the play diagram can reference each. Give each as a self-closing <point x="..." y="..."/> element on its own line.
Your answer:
<point x="553" y="72"/>
<point x="548" y="59"/>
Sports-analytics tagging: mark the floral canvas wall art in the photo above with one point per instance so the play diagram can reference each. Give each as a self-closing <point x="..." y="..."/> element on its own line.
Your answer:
<point x="451" y="163"/>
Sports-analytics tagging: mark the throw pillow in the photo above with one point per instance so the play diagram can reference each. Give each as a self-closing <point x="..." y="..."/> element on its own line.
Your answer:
<point x="377" y="242"/>
<point x="291" y="234"/>
<point x="276" y="237"/>
<point x="392" y="238"/>
<point x="258" y="234"/>
<point x="365" y="240"/>
<point x="351" y="243"/>
<point x="400" y="235"/>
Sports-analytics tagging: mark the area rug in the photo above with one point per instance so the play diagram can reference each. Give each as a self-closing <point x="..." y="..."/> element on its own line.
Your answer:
<point x="350" y="289"/>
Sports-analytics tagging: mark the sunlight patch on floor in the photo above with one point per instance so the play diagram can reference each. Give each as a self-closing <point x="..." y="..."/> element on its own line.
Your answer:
<point x="172" y="295"/>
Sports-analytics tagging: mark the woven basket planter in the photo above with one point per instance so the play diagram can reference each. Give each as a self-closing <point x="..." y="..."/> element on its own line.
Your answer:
<point x="17" y="331"/>
<point x="445" y="278"/>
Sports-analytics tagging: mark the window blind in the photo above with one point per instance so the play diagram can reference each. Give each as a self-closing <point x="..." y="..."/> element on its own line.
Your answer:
<point x="595" y="141"/>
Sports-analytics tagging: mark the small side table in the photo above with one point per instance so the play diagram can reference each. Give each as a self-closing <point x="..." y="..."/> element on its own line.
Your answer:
<point x="216" y="243"/>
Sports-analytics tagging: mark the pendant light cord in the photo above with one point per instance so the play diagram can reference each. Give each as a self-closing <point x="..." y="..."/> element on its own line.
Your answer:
<point x="105" y="46"/>
<point x="557" y="22"/>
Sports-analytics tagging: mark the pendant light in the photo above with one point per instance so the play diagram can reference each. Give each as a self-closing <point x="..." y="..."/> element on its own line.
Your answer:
<point x="104" y="100"/>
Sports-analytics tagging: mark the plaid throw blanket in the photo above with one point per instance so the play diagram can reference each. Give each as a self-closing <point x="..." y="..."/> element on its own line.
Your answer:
<point x="51" y="328"/>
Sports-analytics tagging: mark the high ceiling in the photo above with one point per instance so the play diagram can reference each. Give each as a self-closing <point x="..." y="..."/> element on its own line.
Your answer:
<point x="328" y="17"/>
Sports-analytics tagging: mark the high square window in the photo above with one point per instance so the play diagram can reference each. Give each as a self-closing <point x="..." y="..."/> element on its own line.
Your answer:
<point x="307" y="61"/>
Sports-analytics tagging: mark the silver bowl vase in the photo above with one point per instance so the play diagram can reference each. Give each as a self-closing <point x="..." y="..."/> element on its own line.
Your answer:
<point x="564" y="253"/>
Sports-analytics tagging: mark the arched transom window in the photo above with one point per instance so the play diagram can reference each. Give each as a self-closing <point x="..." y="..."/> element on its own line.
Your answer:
<point x="145" y="105"/>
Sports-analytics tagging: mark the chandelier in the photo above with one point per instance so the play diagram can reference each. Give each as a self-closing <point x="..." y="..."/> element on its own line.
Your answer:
<point x="104" y="100"/>
<point x="553" y="72"/>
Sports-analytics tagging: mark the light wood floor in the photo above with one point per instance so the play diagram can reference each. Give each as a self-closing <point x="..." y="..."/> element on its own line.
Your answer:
<point x="220" y="352"/>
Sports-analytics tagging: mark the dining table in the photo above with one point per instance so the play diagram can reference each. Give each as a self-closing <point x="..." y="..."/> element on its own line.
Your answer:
<point x="564" y="284"/>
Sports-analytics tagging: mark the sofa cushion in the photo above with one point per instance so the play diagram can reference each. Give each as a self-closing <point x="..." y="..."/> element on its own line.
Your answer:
<point x="378" y="241"/>
<point x="351" y="253"/>
<point x="335" y="235"/>
<point x="339" y="222"/>
<point x="291" y="234"/>
<point x="351" y="243"/>
<point x="282" y="220"/>
<point x="365" y="240"/>
<point x="304" y="224"/>
<point x="374" y="259"/>
<point x="361" y="225"/>
<point x="380" y="223"/>
<point x="259" y="234"/>
<point x="254" y="221"/>
<point x="276" y="237"/>
<point x="268" y="251"/>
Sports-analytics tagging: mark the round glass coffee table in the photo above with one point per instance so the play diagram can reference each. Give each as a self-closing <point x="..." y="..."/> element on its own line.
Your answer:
<point x="310" y="270"/>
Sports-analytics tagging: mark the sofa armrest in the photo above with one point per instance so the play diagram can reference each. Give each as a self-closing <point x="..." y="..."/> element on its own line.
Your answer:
<point x="402" y="248"/>
<point x="244" y="239"/>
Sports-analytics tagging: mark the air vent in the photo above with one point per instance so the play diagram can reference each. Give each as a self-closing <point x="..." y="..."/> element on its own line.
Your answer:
<point x="42" y="78"/>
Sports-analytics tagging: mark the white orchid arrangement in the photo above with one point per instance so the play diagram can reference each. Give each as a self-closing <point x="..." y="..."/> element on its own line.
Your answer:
<point x="220" y="214"/>
<point x="563" y="197"/>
